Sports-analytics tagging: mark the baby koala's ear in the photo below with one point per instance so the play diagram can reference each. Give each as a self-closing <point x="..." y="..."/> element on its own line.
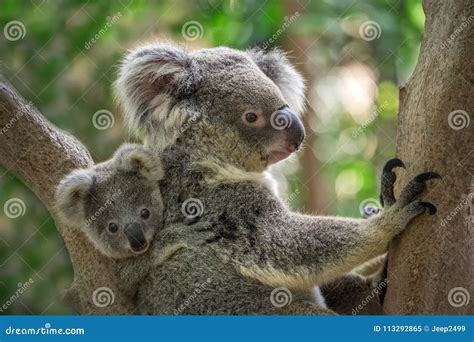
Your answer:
<point x="150" y="78"/>
<point x="71" y="194"/>
<point x="138" y="159"/>
<point x="278" y="68"/>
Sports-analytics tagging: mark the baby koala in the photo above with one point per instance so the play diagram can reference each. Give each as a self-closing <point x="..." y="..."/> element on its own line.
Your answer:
<point x="118" y="206"/>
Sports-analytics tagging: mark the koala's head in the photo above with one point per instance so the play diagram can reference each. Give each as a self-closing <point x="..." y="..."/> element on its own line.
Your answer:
<point x="253" y="98"/>
<point x="116" y="203"/>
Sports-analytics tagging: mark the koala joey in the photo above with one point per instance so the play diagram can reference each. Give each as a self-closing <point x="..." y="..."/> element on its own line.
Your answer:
<point x="118" y="206"/>
<point x="219" y="118"/>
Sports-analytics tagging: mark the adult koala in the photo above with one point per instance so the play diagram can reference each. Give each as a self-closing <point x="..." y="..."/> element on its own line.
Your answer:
<point x="218" y="118"/>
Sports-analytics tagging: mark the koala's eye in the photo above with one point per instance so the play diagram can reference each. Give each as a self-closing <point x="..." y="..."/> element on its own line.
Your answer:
<point x="251" y="117"/>
<point x="145" y="213"/>
<point x="113" y="228"/>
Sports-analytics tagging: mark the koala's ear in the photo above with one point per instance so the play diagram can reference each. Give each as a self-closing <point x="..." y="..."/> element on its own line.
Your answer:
<point x="150" y="79"/>
<point x="136" y="158"/>
<point x="71" y="194"/>
<point x="277" y="67"/>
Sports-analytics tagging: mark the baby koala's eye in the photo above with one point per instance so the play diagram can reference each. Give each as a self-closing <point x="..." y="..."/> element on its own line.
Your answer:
<point x="145" y="213"/>
<point x="113" y="228"/>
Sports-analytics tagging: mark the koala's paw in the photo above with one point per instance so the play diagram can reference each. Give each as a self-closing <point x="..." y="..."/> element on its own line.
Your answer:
<point x="406" y="206"/>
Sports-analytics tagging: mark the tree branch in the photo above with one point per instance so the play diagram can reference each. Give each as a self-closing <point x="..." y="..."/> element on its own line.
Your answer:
<point x="434" y="256"/>
<point x="41" y="155"/>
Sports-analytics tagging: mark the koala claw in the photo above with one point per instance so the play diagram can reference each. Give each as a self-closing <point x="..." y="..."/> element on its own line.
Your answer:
<point x="406" y="203"/>
<point x="415" y="187"/>
<point x="422" y="177"/>
<point x="430" y="206"/>
<point x="393" y="163"/>
<point x="388" y="181"/>
<point x="417" y="208"/>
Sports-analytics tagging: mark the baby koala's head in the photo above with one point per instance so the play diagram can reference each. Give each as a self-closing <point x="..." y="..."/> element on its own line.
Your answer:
<point x="117" y="204"/>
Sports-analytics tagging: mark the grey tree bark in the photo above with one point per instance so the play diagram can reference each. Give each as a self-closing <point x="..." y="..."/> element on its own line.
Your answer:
<point x="431" y="264"/>
<point x="41" y="155"/>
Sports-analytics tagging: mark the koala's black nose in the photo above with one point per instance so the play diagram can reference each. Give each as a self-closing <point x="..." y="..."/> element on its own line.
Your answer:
<point x="285" y="119"/>
<point x="134" y="233"/>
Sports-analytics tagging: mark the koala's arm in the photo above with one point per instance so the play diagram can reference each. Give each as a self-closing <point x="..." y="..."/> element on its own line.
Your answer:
<point x="301" y="250"/>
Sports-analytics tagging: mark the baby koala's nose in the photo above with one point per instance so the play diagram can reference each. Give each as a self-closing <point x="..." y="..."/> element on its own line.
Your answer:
<point x="134" y="233"/>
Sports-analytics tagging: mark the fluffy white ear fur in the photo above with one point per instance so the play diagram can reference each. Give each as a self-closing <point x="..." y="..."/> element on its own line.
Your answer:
<point x="136" y="158"/>
<point x="277" y="67"/>
<point x="149" y="78"/>
<point x="70" y="196"/>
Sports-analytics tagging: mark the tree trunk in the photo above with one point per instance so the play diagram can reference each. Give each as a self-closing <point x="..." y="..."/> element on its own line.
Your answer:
<point x="431" y="263"/>
<point x="41" y="155"/>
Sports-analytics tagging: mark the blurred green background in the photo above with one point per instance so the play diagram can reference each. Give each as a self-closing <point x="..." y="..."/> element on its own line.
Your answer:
<point x="63" y="55"/>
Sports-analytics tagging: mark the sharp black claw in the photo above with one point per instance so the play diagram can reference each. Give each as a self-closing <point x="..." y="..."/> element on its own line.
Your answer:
<point x="423" y="177"/>
<point x="430" y="206"/>
<point x="393" y="163"/>
<point x="388" y="180"/>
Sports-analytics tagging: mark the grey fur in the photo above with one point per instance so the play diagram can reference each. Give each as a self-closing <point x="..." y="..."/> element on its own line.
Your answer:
<point x="254" y="244"/>
<point x="117" y="191"/>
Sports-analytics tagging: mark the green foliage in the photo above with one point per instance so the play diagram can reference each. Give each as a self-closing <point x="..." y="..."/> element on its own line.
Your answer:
<point x="66" y="63"/>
